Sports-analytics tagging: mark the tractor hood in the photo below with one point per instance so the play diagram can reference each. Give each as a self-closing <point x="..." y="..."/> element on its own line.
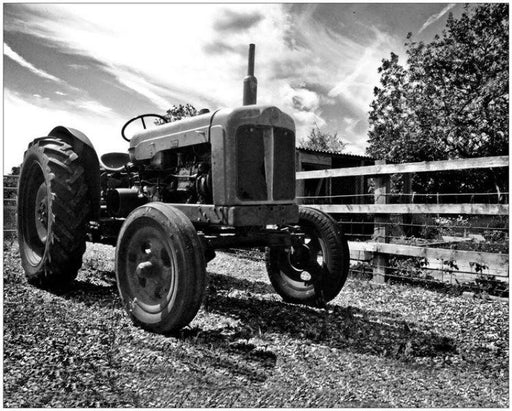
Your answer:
<point x="196" y="130"/>
<point x="189" y="131"/>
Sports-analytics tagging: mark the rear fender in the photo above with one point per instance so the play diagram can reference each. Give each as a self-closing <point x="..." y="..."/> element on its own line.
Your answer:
<point x="89" y="159"/>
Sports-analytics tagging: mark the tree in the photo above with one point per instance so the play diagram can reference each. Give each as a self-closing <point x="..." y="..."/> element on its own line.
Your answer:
<point x="451" y="101"/>
<point x="319" y="140"/>
<point x="178" y="112"/>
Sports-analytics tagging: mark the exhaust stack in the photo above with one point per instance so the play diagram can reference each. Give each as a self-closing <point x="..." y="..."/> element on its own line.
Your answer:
<point x="250" y="82"/>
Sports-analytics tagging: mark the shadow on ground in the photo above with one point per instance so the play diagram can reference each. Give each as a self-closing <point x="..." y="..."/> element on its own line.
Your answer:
<point x="348" y="328"/>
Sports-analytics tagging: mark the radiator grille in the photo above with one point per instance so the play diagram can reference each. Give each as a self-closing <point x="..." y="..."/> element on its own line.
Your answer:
<point x="265" y="164"/>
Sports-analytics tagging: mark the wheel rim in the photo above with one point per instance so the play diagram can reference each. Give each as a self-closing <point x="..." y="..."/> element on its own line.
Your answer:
<point x="150" y="269"/>
<point x="35" y="212"/>
<point x="295" y="269"/>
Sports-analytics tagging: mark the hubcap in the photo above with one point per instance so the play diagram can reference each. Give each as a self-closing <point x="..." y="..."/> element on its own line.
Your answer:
<point x="150" y="262"/>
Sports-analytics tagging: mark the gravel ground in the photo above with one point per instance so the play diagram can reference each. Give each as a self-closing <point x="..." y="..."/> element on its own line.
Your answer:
<point x="375" y="346"/>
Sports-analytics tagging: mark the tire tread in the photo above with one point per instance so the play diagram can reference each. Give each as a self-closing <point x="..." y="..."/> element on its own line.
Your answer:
<point x="69" y="211"/>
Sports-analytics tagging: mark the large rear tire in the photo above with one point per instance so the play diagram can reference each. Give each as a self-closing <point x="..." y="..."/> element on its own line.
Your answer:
<point x="314" y="271"/>
<point x="160" y="268"/>
<point x="53" y="209"/>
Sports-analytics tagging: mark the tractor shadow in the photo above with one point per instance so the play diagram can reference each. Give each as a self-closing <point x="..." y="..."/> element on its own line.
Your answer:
<point x="233" y="349"/>
<point x="95" y="290"/>
<point x="348" y="328"/>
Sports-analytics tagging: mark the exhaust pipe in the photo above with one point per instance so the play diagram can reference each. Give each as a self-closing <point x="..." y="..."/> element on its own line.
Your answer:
<point x="250" y="82"/>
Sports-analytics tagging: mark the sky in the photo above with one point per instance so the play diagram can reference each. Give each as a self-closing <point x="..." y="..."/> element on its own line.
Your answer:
<point x="94" y="66"/>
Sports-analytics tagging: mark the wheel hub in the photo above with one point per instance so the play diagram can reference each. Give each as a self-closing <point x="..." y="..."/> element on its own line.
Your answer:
<point x="41" y="212"/>
<point x="144" y="269"/>
<point x="300" y="256"/>
<point x="305" y="260"/>
<point x="152" y="267"/>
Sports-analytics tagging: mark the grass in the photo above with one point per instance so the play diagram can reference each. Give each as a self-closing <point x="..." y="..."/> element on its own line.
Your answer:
<point x="375" y="346"/>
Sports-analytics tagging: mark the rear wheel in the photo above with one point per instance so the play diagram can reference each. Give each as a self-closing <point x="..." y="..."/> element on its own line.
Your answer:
<point x="314" y="270"/>
<point x="52" y="213"/>
<point x="160" y="268"/>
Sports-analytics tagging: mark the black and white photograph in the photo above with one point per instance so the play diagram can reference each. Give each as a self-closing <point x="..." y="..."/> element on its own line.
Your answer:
<point x="256" y="205"/>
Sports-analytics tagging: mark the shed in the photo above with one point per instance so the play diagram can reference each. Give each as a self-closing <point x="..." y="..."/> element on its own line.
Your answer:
<point x="348" y="190"/>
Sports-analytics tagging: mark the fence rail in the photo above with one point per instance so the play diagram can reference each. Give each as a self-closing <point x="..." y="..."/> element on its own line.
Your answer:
<point x="405" y="168"/>
<point x="497" y="262"/>
<point x="475" y="209"/>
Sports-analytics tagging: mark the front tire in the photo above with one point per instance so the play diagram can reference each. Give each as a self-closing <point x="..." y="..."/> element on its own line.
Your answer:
<point x="160" y="268"/>
<point x="53" y="208"/>
<point x="314" y="271"/>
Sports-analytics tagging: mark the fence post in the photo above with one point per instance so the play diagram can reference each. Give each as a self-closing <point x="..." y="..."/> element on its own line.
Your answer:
<point x="407" y="219"/>
<point x="381" y="225"/>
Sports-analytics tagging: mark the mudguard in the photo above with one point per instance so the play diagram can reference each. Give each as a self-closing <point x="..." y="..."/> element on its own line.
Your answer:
<point x="89" y="159"/>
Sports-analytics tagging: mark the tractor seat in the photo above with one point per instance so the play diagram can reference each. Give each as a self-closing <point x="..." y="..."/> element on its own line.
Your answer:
<point x="114" y="161"/>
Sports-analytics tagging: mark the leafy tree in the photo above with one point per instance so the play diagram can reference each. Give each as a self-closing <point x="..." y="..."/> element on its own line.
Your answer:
<point x="178" y="112"/>
<point x="451" y="100"/>
<point x="318" y="140"/>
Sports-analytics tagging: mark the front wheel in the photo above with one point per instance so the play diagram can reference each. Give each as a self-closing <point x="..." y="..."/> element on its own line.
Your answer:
<point x="314" y="270"/>
<point x="160" y="268"/>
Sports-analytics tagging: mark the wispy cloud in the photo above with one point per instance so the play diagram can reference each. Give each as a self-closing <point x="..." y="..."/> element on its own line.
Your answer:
<point x="24" y="63"/>
<point x="357" y="81"/>
<point x="435" y="17"/>
<point x="93" y="107"/>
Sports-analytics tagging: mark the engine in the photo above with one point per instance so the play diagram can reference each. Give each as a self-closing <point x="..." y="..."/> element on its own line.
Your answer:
<point x="180" y="175"/>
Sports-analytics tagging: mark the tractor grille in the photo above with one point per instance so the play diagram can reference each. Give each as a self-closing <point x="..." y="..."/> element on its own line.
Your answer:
<point x="265" y="164"/>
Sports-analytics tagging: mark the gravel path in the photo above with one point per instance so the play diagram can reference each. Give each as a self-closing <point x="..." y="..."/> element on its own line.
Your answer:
<point x="376" y="346"/>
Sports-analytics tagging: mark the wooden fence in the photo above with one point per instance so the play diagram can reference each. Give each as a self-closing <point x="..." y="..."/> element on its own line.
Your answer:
<point x="379" y="248"/>
<point x="9" y="210"/>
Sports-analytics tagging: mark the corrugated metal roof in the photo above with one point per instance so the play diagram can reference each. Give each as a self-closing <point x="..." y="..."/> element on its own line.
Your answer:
<point x="336" y="153"/>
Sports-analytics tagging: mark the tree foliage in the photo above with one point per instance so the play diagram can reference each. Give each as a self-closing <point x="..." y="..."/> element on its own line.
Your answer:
<point x="178" y="112"/>
<point x="451" y="100"/>
<point x="319" y="140"/>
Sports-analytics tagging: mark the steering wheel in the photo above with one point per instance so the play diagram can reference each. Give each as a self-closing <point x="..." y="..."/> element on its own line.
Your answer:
<point x="141" y="117"/>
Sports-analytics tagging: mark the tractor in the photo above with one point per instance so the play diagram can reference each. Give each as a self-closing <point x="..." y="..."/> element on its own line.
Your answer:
<point x="218" y="180"/>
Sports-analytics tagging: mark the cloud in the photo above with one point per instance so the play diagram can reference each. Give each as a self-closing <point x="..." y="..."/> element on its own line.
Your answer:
<point x="78" y="66"/>
<point x="93" y="107"/>
<point x="143" y="87"/>
<point x="197" y="53"/>
<point x="356" y="83"/>
<point x="234" y="21"/>
<point x="24" y="63"/>
<point x="218" y="47"/>
<point x="435" y="17"/>
<point x="44" y="115"/>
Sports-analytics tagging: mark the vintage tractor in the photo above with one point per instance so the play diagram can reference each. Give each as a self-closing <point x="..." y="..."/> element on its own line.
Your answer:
<point x="218" y="180"/>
